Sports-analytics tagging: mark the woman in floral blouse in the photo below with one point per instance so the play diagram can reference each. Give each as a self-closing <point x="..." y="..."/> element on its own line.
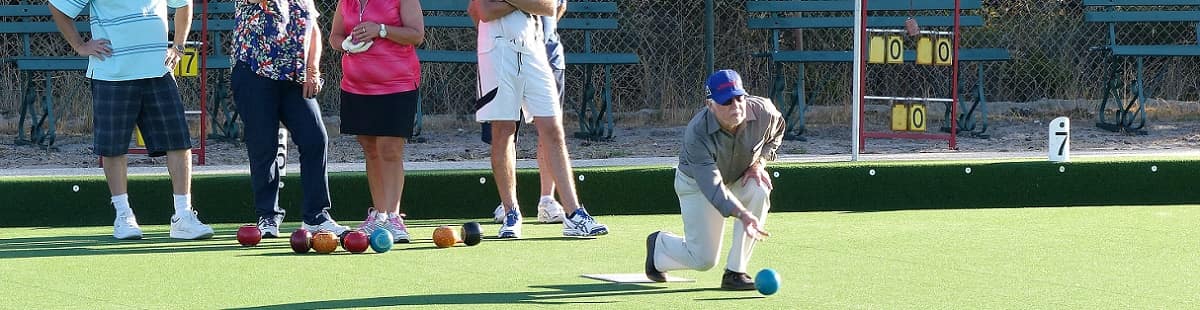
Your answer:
<point x="276" y="76"/>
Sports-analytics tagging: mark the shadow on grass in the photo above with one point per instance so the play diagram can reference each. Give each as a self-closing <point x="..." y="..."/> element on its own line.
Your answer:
<point x="730" y="298"/>
<point x="557" y="238"/>
<point x="558" y="295"/>
<point x="151" y="243"/>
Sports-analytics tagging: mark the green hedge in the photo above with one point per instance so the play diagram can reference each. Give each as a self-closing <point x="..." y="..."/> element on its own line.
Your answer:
<point x="843" y="186"/>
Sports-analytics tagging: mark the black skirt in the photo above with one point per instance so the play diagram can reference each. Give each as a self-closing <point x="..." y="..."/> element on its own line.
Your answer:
<point x="390" y="115"/>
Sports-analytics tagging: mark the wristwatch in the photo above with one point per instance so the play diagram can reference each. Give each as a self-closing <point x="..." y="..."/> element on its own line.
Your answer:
<point x="383" y="31"/>
<point x="177" y="47"/>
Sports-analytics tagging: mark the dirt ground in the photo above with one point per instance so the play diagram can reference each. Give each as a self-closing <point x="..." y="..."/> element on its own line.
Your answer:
<point x="1013" y="128"/>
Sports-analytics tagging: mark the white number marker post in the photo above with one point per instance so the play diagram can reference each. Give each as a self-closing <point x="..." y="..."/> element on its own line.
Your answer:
<point x="1060" y="140"/>
<point x="281" y="156"/>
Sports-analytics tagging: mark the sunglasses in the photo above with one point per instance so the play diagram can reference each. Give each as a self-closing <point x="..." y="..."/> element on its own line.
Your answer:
<point x="730" y="101"/>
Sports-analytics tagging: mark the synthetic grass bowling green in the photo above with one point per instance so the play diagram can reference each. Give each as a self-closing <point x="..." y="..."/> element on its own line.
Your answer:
<point x="1072" y="257"/>
<point x="1020" y="233"/>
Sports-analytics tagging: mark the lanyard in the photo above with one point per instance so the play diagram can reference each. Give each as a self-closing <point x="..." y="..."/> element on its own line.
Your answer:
<point x="362" y="10"/>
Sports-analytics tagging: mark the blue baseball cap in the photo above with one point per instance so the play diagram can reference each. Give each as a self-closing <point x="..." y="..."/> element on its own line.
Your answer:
<point x="724" y="85"/>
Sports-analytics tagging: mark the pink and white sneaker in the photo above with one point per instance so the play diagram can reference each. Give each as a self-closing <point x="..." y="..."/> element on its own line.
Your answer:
<point x="395" y="225"/>
<point x="370" y="224"/>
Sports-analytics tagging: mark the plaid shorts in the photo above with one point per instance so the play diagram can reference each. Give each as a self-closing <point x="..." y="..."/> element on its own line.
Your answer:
<point x="152" y="104"/>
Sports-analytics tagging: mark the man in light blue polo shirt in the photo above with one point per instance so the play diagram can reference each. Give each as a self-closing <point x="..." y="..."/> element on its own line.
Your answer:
<point x="129" y="64"/>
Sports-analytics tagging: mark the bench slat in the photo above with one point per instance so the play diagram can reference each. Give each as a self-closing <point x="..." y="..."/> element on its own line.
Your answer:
<point x="216" y="7"/>
<point x="844" y="6"/>
<point x="1156" y="50"/>
<point x="28" y="10"/>
<point x="566" y="23"/>
<point x="470" y="57"/>
<point x="441" y="56"/>
<point x="38" y="27"/>
<point x="1142" y="16"/>
<point x="572" y="7"/>
<point x="24" y="10"/>
<point x="444" y="5"/>
<point x="848" y="22"/>
<point x="602" y="58"/>
<point x="49" y="27"/>
<point x="1138" y="2"/>
<point x="592" y="7"/>
<point x="51" y="63"/>
<point x="588" y="23"/>
<point x="448" y="22"/>
<point x="214" y="25"/>
<point x="966" y="54"/>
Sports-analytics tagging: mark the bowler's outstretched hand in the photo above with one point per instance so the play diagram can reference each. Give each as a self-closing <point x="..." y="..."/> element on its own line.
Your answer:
<point x="753" y="227"/>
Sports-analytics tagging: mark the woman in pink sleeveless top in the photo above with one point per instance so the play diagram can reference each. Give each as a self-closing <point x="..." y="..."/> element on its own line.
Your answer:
<point x="380" y="79"/>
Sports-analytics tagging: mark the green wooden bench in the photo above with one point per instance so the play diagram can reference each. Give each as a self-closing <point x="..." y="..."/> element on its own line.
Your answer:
<point x="779" y="16"/>
<point x="1131" y="116"/>
<point x="595" y="118"/>
<point x="33" y="22"/>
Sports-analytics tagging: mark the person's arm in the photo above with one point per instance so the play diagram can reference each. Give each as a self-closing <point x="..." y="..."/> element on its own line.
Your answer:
<point x="412" y="33"/>
<point x="772" y="139"/>
<point x="535" y="7"/>
<point x="183" y="21"/>
<point x="562" y="10"/>
<point x="489" y="10"/>
<point x="700" y="162"/>
<point x="338" y="33"/>
<point x="473" y="11"/>
<point x="183" y="24"/>
<point x="775" y="133"/>
<point x="312" y="83"/>
<point x="101" y="48"/>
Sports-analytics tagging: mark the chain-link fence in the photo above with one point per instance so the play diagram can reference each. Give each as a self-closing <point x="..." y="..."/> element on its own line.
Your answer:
<point x="1048" y="40"/>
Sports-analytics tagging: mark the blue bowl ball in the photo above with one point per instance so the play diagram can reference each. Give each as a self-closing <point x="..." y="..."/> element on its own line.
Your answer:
<point x="767" y="281"/>
<point x="381" y="241"/>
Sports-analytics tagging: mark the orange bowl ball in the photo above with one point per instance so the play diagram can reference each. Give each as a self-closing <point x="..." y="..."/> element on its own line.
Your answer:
<point x="445" y="237"/>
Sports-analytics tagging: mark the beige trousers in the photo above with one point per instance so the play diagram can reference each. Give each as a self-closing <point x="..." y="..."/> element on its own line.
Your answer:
<point x="703" y="227"/>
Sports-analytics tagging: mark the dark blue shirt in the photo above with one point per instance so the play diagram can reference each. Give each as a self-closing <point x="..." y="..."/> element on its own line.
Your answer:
<point x="554" y="49"/>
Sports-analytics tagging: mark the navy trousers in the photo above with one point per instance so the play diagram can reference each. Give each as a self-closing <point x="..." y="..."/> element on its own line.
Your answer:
<point x="264" y="103"/>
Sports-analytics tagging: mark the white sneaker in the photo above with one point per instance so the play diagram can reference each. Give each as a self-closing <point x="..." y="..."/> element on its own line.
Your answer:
<point x="581" y="224"/>
<point x="550" y="211"/>
<point x="511" y="228"/>
<point x="125" y="227"/>
<point x="189" y="227"/>
<point x="329" y="225"/>
<point x="269" y="226"/>
<point x="498" y="215"/>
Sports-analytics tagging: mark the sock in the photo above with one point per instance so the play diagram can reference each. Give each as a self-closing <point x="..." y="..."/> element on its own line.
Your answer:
<point x="183" y="204"/>
<point x="121" y="204"/>
<point x="547" y="198"/>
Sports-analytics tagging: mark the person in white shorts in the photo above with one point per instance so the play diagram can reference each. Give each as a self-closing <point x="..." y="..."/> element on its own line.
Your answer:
<point x="516" y="82"/>
<point x="548" y="209"/>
